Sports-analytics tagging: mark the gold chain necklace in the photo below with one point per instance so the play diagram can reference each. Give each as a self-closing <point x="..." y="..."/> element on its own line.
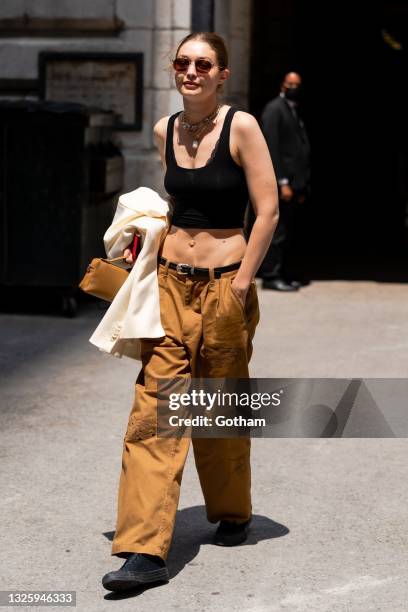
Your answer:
<point x="199" y="127"/>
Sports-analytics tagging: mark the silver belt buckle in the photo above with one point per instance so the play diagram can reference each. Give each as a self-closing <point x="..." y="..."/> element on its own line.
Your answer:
<point x="180" y="271"/>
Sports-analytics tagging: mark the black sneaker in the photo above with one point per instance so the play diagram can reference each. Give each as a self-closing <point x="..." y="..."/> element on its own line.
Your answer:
<point x="231" y="534"/>
<point x="138" y="569"/>
<point x="277" y="284"/>
<point x="297" y="284"/>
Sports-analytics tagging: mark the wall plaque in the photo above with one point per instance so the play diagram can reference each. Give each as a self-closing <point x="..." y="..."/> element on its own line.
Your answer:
<point x="111" y="81"/>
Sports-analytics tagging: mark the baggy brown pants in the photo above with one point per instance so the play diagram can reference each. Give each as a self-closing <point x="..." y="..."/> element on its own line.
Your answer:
<point x="208" y="334"/>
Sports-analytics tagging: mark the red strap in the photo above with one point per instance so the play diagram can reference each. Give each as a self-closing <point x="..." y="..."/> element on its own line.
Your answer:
<point x="134" y="246"/>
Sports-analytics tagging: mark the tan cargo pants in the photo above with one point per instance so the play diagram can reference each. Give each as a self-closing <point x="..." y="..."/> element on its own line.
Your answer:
<point x="208" y="334"/>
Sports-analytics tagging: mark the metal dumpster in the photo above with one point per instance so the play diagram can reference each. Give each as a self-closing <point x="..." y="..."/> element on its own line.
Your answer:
<point x="59" y="175"/>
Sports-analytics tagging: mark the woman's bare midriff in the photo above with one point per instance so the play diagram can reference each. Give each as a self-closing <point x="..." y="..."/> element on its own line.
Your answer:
<point x="211" y="248"/>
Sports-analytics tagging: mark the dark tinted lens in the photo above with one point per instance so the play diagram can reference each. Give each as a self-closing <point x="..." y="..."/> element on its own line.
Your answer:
<point x="203" y="65"/>
<point x="181" y="63"/>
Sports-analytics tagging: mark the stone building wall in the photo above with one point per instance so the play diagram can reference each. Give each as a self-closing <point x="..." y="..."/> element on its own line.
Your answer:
<point x="153" y="27"/>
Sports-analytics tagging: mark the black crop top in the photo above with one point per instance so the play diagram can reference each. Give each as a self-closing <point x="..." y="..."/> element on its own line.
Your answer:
<point x="212" y="196"/>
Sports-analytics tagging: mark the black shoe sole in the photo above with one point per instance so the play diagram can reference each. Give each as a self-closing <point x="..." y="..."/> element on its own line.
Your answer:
<point x="114" y="582"/>
<point x="233" y="539"/>
<point x="287" y="288"/>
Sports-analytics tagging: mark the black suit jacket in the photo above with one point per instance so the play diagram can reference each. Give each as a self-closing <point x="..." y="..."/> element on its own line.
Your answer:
<point x="288" y="143"/>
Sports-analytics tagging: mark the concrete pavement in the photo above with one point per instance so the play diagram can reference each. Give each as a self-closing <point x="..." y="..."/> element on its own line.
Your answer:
<point x="330" y="528"/>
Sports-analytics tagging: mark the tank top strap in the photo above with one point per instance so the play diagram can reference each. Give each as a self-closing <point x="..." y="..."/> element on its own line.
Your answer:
<point x="224" y="142"/>
<point x="169" y="139"/>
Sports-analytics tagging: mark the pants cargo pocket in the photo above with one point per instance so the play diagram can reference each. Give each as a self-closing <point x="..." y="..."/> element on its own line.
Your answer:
<point x="139" y="428"/>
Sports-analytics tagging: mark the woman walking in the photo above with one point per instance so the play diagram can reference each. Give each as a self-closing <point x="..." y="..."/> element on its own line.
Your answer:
<point x="215" y="159"/>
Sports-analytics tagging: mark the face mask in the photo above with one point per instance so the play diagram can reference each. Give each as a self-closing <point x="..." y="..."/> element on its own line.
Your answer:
<point x="293" y="94"/>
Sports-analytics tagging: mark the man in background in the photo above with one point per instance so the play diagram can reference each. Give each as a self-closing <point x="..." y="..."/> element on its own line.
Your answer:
<point x="289" y="147"/>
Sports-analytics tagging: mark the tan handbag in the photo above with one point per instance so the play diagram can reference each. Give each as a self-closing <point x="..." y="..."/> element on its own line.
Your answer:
<point x="103" y="279"/>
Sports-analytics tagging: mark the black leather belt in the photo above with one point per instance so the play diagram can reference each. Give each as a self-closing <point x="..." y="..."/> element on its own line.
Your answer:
<point x="183" y="268"/>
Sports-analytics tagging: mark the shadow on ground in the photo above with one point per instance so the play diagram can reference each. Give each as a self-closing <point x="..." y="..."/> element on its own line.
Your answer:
<point x="192" y="531"/>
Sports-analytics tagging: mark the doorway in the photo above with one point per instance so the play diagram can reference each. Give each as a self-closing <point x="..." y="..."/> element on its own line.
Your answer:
<point x="354" y="71"/>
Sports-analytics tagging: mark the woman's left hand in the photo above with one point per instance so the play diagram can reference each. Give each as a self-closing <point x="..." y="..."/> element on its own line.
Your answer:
<point x="240" y="291"/>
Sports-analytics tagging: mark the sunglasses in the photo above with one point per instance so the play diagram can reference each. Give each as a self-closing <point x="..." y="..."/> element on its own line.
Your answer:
<point x="180" y="64"/>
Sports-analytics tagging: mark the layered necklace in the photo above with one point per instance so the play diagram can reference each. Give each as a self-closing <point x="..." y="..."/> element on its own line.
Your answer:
<point x="198" y="128"/>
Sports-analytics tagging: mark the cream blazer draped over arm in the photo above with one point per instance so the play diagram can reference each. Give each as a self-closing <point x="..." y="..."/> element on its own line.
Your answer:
<point x="135" y="310"/>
